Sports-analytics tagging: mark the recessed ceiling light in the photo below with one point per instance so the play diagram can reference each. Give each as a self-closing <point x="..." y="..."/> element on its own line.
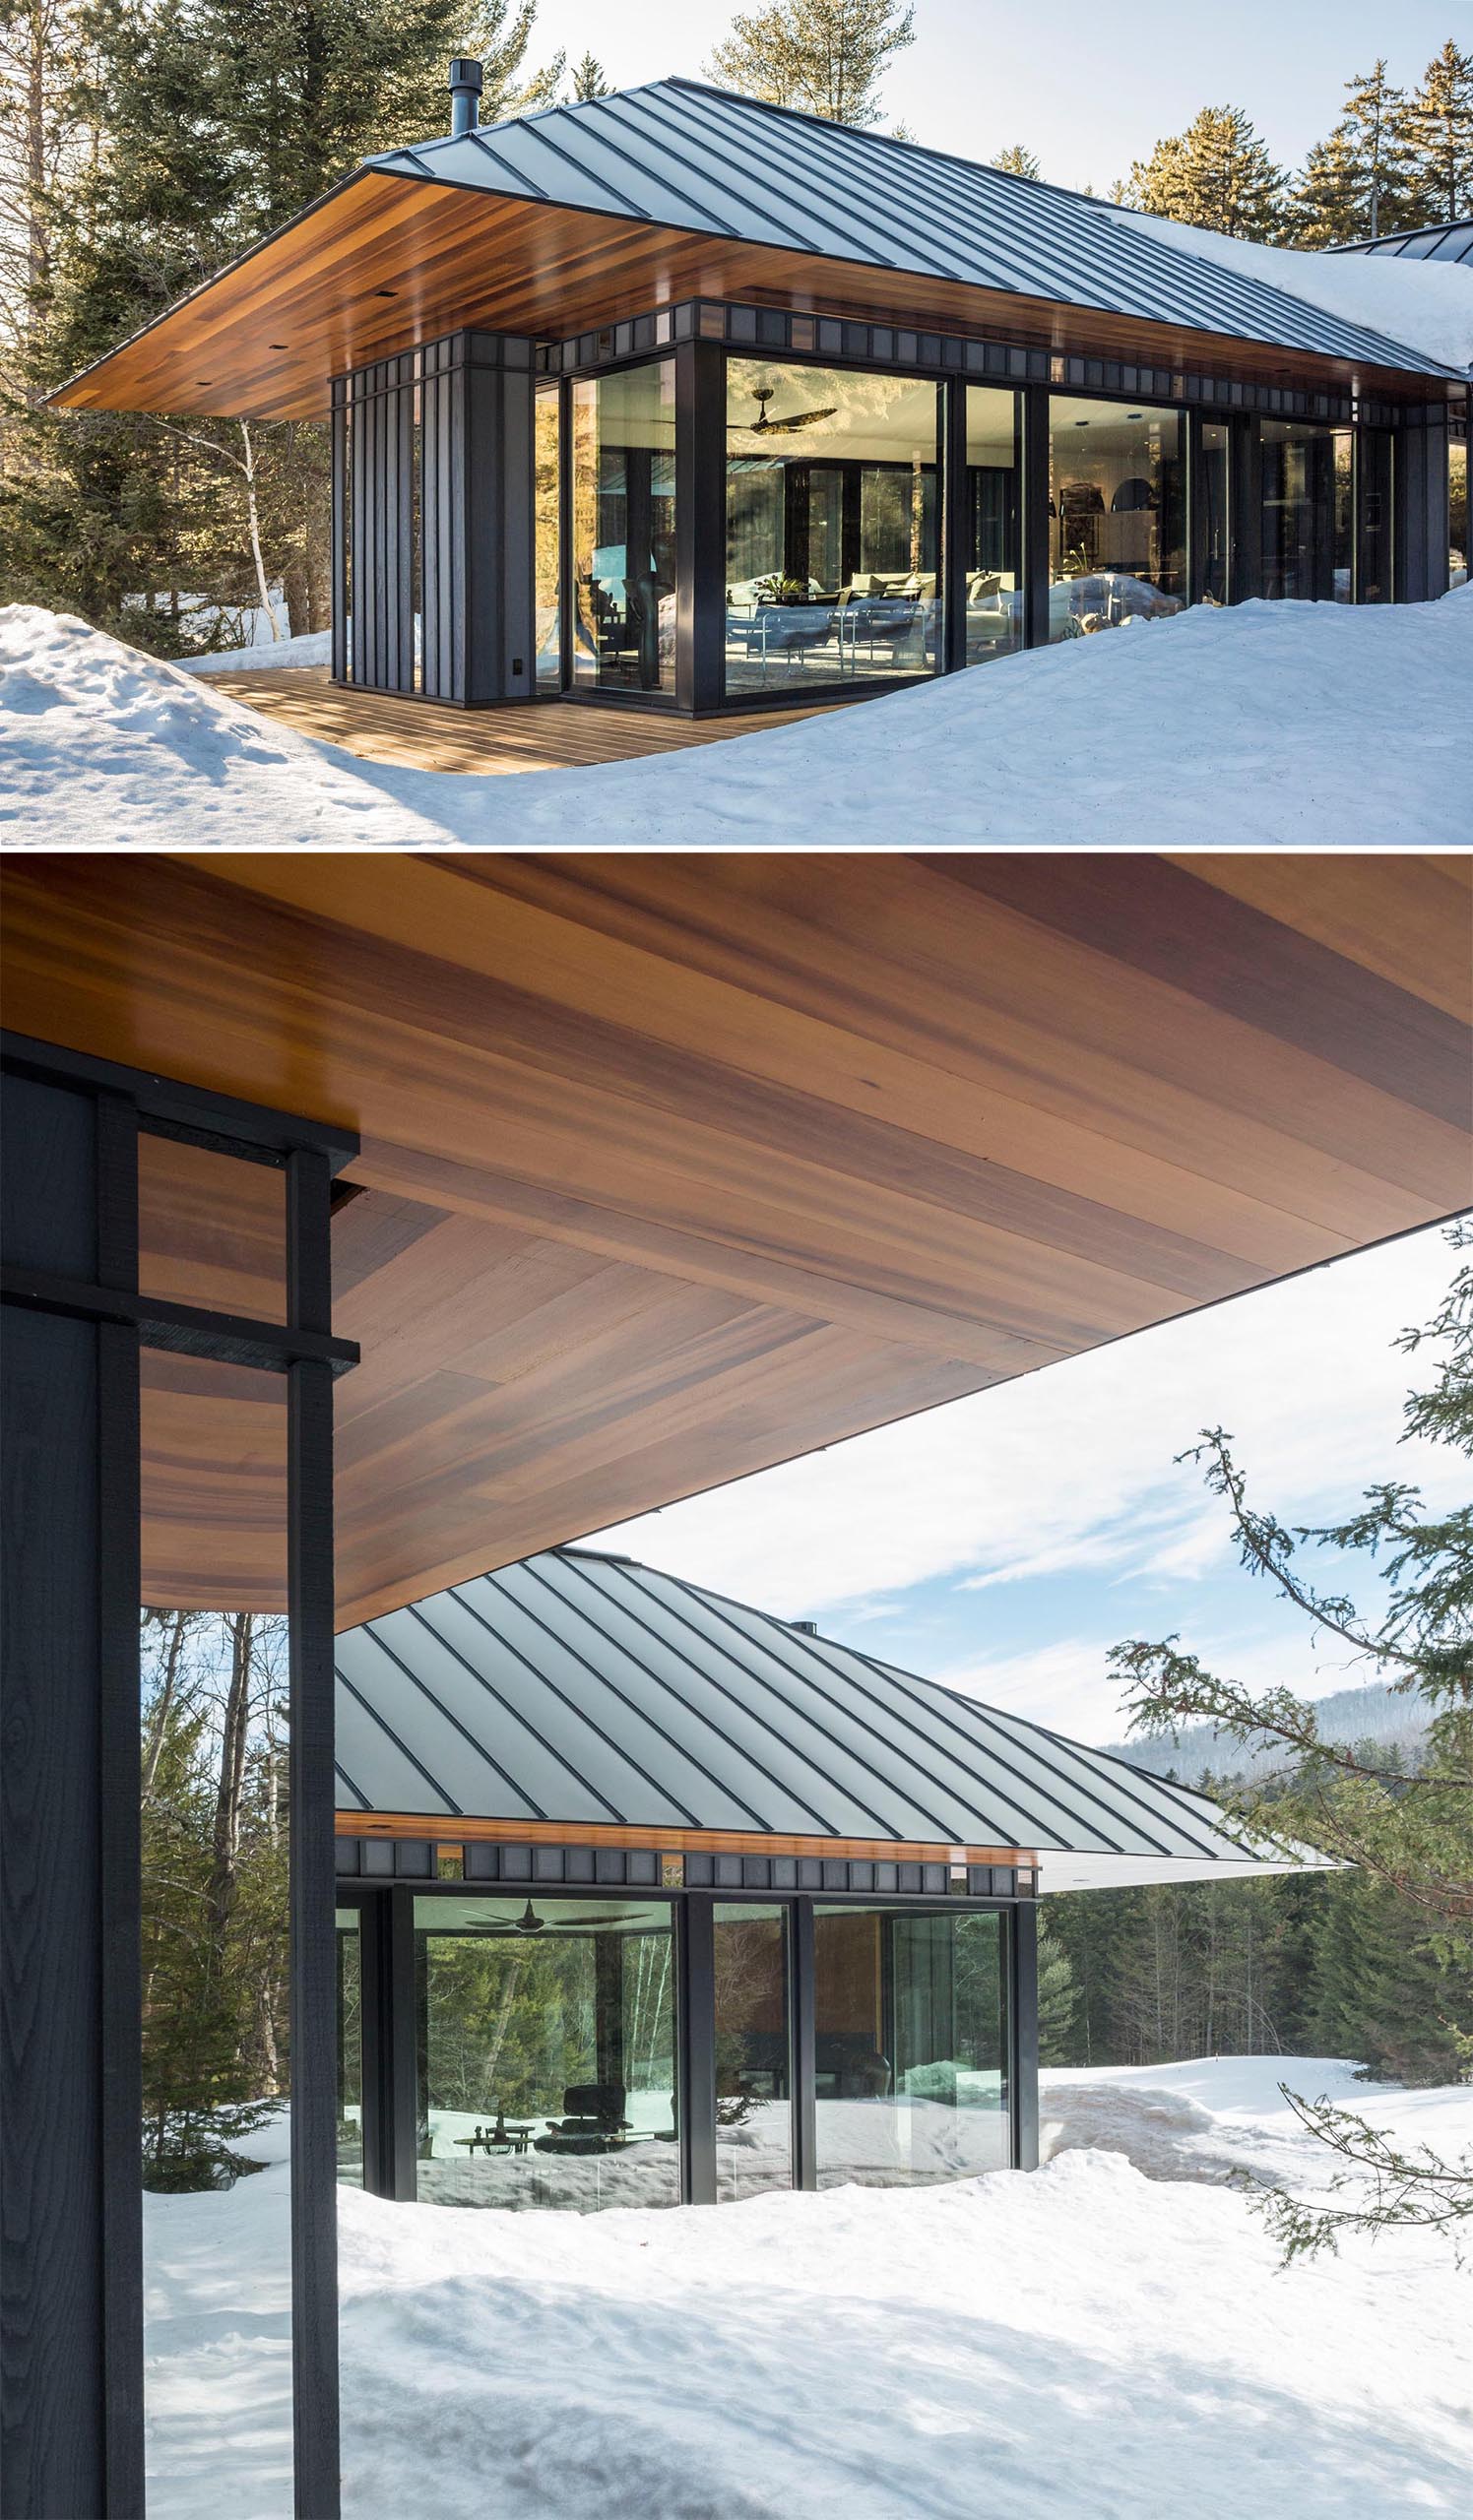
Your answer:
<point x="276" y="345"/>
<point x="386" y="293"/>
<point x="204" y="380"/>
<point x="1135" y="416"/>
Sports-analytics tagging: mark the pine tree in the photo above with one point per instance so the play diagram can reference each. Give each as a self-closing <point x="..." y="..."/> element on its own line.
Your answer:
<point x="1056" y="2001"/>
<point x="1359" y="182"/>
<point x="1440" y="137"/>
<point x="1217" y="174"/>
<point x="1018" y="161"/>
<point x="590" y="80"/>
<point x="823" y="56"/>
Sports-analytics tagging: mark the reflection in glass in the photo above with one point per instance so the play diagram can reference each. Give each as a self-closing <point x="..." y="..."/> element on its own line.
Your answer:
<point x="1216" y="495"/>
<point x="1457" y="512"/>
<point x="212" y="1230"/>
<point x="546" y="2052"/>
<point x="754" y="2051"/>
<point x="1378" y="551"/>
<point x="1307" y="512"/>
<point x="995" y="589"/>
<point x="624" y="528"/>
<point x="832" y="525"/>
<point x="1116" y="515"/>
<point x="910" y="2046"/>
<point x="350" y="2047"/>
<point x="216" y="1972"/>
<point x="547" y="537"/>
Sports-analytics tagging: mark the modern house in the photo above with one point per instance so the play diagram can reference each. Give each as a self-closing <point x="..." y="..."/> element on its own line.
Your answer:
<point x="645" y="1897"/>
<point x="678" y="400"/>
<point x="374" y="1221"/>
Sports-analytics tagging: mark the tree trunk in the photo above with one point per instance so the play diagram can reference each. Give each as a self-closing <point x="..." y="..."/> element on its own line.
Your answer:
<point x="232" y="1786"/>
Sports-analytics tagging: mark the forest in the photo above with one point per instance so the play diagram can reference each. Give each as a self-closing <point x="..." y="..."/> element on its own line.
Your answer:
<point x="146" y="143"/>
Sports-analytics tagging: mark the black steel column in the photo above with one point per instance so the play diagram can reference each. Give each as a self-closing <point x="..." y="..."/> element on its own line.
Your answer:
<point x="804" y="2048"/>
<point x="700" y="524"/>
<point x="697" y="2014"/>
<point x="1035" y="519"/>
<point x="1023" y="2008"/>
<point x="313" y="1796"/>
<point x="71" y="2213"/>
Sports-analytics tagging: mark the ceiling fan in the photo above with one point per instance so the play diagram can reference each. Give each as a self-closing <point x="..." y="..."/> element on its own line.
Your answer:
<point x="762" y="426"/>
<point x="528" y="1922"/>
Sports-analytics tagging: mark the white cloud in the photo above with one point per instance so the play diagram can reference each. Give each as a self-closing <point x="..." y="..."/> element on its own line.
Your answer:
<point x="1071" y="1472"/>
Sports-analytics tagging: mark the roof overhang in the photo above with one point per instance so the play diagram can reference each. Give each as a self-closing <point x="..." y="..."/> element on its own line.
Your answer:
<point x="394" y="258"/>
<point x="676" y="1164"/>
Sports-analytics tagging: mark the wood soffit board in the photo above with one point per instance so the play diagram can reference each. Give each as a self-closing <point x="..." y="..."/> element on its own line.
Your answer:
<point x="676" y="1165"/>
<point x="446" y="1830"/>
<point x="453" y="258"/>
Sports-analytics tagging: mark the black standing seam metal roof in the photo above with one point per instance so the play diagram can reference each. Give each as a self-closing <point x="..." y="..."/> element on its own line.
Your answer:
<point x="589" y="1691"/>
<point x="1451" y="242"/>
<point x="686" y="155"/>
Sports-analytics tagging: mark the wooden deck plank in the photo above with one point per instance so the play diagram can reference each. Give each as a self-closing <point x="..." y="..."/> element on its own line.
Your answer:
<point x="424" y="735"/>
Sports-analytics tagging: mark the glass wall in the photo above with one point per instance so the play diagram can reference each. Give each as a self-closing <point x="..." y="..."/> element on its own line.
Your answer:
<point x="1308" y="511"/>
<point x="993" y="524"/>
<point x="1217" y="493"/>
<point x="910" y="2046"/>
<point x="754" y="2051"/>
<point x="1457" y="512"/>
<point x="350" y="2046"/>
<point x="624" y="530"/>
<point x="546" y="2052"/>
<point x="833" y="525"/>
<point x="1378" y="455"/>
<point x="1116" y="515"/>
<point x="546" y="536"/>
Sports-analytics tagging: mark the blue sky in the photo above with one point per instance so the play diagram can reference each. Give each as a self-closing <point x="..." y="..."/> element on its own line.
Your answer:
<point x="1003" y="1543"/>
<point x="1088" y="89"/>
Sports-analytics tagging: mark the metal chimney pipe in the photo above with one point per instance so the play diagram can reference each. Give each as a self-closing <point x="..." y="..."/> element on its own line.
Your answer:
<point x="467" y="78"/>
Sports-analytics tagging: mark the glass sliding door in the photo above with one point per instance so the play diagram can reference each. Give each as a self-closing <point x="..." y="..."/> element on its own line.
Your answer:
<point x="754" y="2050"/>
<point x="833" y="525"/>
<point x="1308" y="511"/>
<point x="546" y="2052"/>
<point x="1116" y="515"/>
<point x="1217" y="491"/>
<point x="1457" y="512"/>
<point x="624" y="530"/>
<point x="546" y="536"/>
<point x="348" y="1923"/>
<point x="993" y="537"/>
<point x="910" y="2046"/>
<point x="1378" y="455"/>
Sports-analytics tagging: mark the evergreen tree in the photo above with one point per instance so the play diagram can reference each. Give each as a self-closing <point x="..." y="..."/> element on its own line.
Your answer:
<point x="1056" y="2001"/>
<point x="1018" y="161"/>
<point x="824" y="56"/>
<point x="1217" y="174"/>
<point x="590" y="80"/>
<point x="1409" y="1834"/>
<point x="1440" y="137"/>
<point x="1361" y="181"/>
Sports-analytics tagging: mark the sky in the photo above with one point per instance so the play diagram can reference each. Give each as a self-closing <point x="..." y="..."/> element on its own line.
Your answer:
<point x="1088" y="89"/>
<point x="1003" y="1543"/>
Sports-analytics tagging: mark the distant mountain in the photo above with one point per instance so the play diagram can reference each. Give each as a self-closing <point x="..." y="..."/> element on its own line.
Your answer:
<point x="1374" y="1714"/>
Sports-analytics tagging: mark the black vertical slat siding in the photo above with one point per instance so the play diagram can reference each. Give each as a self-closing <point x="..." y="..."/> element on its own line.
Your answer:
<point x="340" y="530"/>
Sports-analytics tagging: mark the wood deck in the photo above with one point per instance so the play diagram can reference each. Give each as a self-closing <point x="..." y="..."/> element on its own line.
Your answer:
<point x="423" y="734"/>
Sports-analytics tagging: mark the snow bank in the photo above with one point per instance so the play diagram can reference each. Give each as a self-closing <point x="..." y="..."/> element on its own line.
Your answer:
<point x="1290" y="723"/>
<point x="309" y="647"/>
<point x="1089" y="2343"/>
<point x="1429" y="306"/>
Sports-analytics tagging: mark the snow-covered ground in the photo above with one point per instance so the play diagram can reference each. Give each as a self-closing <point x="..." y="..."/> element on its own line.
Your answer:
<point x="267" y="655"/>
<point x="1091" y="2344"/>
<point x="1270" y="723"/>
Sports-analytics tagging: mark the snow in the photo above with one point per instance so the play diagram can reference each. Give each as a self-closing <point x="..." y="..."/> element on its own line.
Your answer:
<point x="1268" y="722"/>
<point x="308" y="648"/>
<point x="1427" y="306"/>
<point x="1090" y="2343"/>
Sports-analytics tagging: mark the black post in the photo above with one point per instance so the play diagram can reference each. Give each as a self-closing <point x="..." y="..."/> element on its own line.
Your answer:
<point x="1024" y="2010"/>
<point x="700" y="524"/>
<point x="1034" y="519"/>
<point x="696" y="1951"/>
<point x="71" y="2215"/>
<point x="314" y="2060"/>
<point x="804" y="2049"/>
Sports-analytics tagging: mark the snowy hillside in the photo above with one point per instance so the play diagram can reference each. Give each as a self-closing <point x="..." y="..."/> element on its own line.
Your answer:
<point x="1271" y="723"/>
<point x="1092" y="2342"/>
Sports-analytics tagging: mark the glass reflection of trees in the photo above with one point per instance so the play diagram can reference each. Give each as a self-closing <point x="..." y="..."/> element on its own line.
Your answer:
<point x="1116" y="515"/>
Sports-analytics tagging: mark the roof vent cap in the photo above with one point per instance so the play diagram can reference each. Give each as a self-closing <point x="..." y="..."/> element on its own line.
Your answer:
<point x="805" y="1626"/>
<point x="466" y="80"/>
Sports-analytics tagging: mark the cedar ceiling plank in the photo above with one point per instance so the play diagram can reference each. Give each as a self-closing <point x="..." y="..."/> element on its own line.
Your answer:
<point x="1413" y="932"/>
